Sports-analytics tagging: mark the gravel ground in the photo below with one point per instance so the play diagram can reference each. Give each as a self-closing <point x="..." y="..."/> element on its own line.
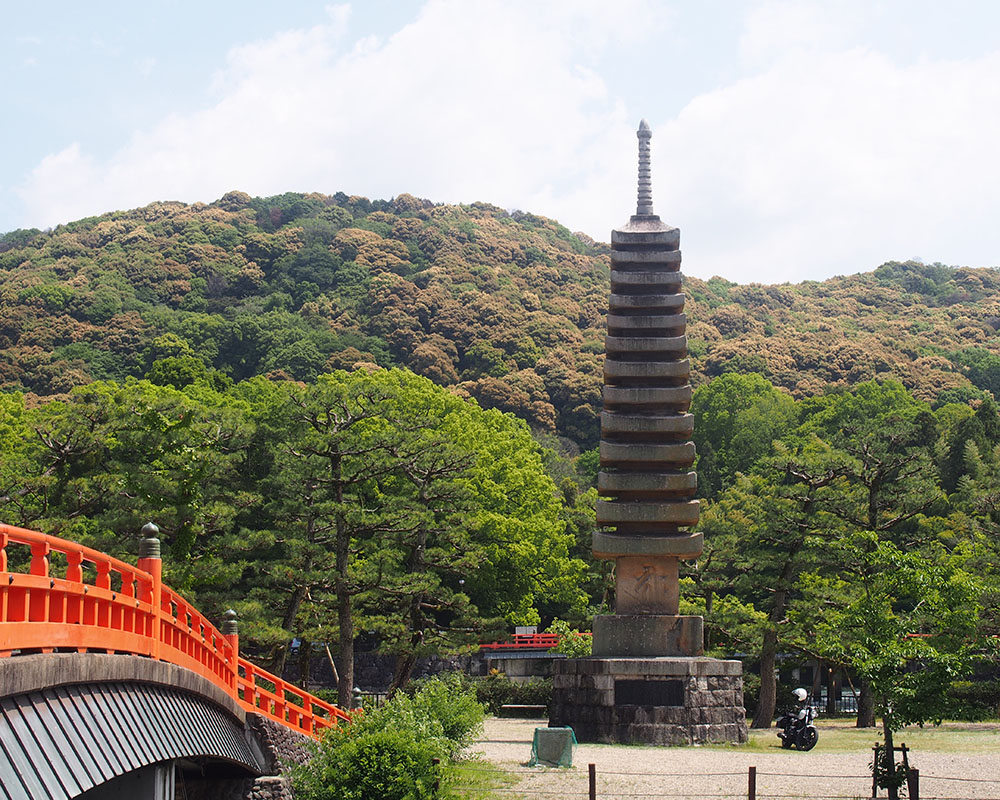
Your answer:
<point x="697" y="773"/>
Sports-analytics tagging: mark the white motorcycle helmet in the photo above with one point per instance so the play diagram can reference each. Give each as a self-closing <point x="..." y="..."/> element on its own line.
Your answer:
<point x="801" y="695"/>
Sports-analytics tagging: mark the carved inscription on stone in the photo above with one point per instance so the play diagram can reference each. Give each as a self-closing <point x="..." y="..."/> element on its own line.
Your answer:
<point x="645" y="585"/>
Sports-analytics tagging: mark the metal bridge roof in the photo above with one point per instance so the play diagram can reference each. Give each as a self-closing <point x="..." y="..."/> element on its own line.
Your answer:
<point x="57" y="743"/>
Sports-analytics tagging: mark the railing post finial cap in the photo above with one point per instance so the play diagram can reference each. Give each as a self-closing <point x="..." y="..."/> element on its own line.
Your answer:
<point x="230" y="626"/>
<point x="149" y="546"/>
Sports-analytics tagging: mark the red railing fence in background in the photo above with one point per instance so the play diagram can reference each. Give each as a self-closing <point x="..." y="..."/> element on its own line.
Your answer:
<point x="527" y="641"/>
<point x="59" y="596"/>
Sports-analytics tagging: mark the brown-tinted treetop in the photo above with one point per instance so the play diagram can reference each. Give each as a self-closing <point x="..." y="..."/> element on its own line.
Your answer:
<point x="507" y="307"/>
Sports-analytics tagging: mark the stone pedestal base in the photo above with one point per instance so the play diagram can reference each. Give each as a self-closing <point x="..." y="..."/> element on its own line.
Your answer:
<point x="667" y="701"/>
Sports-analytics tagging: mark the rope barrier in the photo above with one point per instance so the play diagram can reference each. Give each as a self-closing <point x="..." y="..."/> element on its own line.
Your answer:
<point x="924" y="776"/>
<point x="680" y="774"/>
<point x="632" y="794"/>
<point x="822" y="777"/>
<point x="534" y="771"/>
<point x="618" y="795"/>
<point x="531" y="791"/>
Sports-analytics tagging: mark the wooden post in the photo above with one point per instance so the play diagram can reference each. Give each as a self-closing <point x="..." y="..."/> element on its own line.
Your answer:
<point x="913" y="784"/>
<point x="149" y="561"/>
<point x="231" y="632"/>
<point x="74" y="566"/>
<point x="752" y="783"/>
<point x="436" y="763"/>
<point x="38" y="600"/>
<point x="592" y="775"/>
<point x="875" y="772"/>
<point x="40" y="559"/>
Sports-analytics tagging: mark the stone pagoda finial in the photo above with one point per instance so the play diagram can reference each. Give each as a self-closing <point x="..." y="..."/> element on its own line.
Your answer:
<point x="644" y="208"/>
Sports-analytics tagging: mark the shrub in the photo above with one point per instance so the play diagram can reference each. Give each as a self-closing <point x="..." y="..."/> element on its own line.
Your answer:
<point x="973" y="700"/>
<point x="387" y="753"/>
<point x="369" y="765"/>
<point x="572" y="643"/>
<point x="448" y="701"/>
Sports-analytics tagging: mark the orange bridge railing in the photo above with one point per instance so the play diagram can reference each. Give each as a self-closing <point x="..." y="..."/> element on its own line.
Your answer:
<point x="59" y="596"/>
<point x="527" y="641"/>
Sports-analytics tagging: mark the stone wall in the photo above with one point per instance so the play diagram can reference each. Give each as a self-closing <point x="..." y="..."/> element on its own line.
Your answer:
<point x="280" y="746"/>
<point x="267" y="787"/>
<point x="666" y="701"/>
<point x="373" y="671"/>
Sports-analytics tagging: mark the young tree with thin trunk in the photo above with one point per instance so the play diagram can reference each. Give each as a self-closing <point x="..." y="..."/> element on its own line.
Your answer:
<point x="907" y="623"/>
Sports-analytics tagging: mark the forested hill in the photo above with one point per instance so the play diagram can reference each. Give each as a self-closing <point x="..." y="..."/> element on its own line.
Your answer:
<point x="506" y="305"/>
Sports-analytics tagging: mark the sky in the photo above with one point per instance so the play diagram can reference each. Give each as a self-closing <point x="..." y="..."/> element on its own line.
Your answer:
<point x="792" y="140"/>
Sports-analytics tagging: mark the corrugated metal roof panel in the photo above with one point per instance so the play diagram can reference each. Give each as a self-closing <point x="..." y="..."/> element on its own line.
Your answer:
<point x="91" y="758"/>
<point x="65" y="739"/>
<point x="19" y="745"/>
<point x="46" y="745"/>
<point x="60" y="742"/>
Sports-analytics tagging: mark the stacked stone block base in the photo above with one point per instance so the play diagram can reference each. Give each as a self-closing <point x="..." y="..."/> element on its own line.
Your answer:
<point x="665" y="701"/>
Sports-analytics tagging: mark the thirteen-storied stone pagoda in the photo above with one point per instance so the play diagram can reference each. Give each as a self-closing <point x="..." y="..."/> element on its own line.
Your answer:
<point x="646" y="448"/>
<point x="647" y="681"/>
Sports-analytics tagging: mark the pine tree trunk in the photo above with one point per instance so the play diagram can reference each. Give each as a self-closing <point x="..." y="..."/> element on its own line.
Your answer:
<point x="866" y="706"/>
<point x="345" y="620"/>
<point x="768" y="685"/>
<point x="769" y="651"/>
<point x="405" y="663"/>
<point x="345" y="654"/>
<point x="832" y="690"/>
<point x="279" y="656"/>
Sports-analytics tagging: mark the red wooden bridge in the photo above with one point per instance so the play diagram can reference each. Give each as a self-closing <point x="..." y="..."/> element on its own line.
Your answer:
<point x="59" y="597"/>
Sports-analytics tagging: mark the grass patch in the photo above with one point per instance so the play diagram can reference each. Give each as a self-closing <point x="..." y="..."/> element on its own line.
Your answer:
<point x="476" y="779"/>
<point x="840" y="736"/>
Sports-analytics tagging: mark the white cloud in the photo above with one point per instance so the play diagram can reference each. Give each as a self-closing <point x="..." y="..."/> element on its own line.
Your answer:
<point x="836" y="162"/>
<point x="62" y="180"/>
<point x="825" y="157"/>
<point x="491" y="101"/>
<point x="776" y="28"/>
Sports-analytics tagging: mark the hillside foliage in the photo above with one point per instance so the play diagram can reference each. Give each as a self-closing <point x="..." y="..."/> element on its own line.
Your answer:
<point x="506" y="306"/>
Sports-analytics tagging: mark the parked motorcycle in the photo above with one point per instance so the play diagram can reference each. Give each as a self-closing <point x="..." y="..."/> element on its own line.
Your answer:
<point x="795" y="728"/>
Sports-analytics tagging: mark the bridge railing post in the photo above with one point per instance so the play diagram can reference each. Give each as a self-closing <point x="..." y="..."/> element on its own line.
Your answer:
<point x="308" y="719"/>
<point x="231" y="632"/>
<point x="149" y="561"/>
<point x="280" y="703"/>
<point x="250" y="695"/>
<point x="3" y="568"/>
<point x="38" y="602"/>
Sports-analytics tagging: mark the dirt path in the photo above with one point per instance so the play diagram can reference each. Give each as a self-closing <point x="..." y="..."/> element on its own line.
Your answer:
<point x="696" y="773"/>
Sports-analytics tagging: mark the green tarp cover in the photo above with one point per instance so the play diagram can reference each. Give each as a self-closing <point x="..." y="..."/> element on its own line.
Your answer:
<point x="553" y="747"/>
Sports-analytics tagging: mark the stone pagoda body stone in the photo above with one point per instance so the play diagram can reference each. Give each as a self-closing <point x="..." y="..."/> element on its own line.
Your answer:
<point x="647" y="681"/>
